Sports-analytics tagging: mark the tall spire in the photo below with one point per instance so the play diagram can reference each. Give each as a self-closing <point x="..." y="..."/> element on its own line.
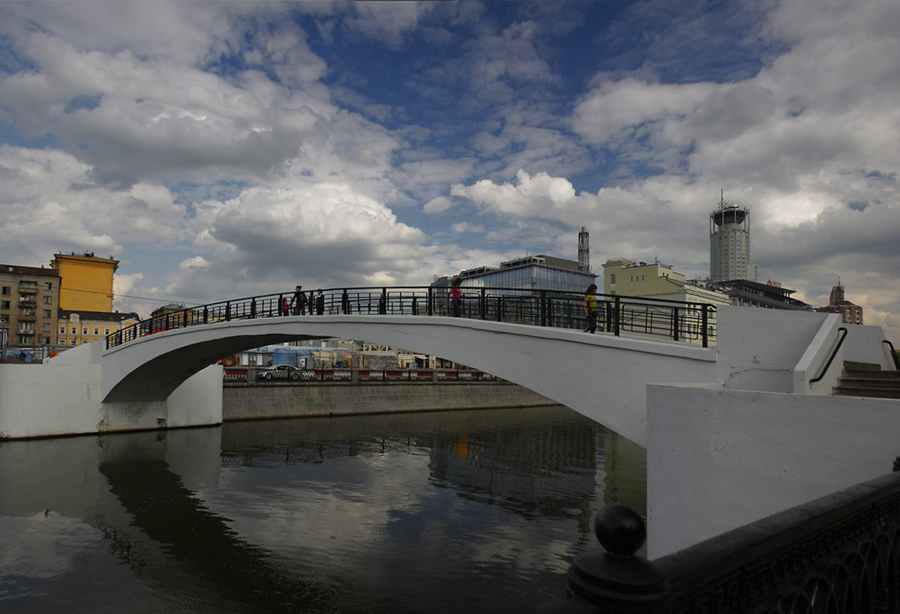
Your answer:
<point x="584" y="251"/>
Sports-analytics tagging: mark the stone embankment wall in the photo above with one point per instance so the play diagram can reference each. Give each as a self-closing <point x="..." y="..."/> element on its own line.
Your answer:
<point x="295" y="400"/>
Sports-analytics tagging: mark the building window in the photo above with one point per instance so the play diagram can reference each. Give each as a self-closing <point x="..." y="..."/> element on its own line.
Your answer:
<point x="74" y="331"/>
<point x="5" y="290"/>
<point x="4" y="304"/>
<point x="612" y="279"/>
<point x="48" y="285"/>
<point x="46" y="313"/>
<point x="73" y="341"/>
<point x="96" y="331"/>
<point x="83" y="331"/>
<point x="4" y="318"/>
<point x="48" y="300"/>
<point x="106" y="332"/>
<point x="62" y="330"/>
<point x="45" y="327"/>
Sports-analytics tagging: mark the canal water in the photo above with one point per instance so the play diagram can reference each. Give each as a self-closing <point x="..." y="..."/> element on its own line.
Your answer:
<point x="475" y="511"/>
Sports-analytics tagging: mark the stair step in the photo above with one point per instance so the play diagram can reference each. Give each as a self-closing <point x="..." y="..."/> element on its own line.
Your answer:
<point x="866" y="391"/>
<point x="886" y="376"/>
<point x="865" y="366"/>
<point x="870" y="382"/>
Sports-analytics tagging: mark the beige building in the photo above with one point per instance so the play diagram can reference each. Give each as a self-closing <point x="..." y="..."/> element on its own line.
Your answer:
<point x="78" y="327"/>
<point x="655" y="280"/>
<point x="29" y="297"/>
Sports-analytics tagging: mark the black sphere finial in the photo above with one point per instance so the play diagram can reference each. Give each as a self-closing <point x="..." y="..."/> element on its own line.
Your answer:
<point x="620" y="529"/>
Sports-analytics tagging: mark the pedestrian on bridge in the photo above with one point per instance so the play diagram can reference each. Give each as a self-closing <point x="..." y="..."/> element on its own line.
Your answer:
<point x="320" y="302"/>
<point x="298" y="301"/>
<point x="590" y="308"/>
<point x="455" y="295"/>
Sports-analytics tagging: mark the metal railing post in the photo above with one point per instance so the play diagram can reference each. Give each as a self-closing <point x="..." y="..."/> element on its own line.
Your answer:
<point x="542" y="307"/>
<point x="704" y="322"/>
<point x="616" y="307"/>
<point x="382" y="308"/>
<point x="345" y="302"/>
<point x="430" y="307"/>
<point x="675" y="324"/>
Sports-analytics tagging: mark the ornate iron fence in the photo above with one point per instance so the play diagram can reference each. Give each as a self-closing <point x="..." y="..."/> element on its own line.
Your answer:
<point x="676" y="320"/>
<point x="839" y="554"/>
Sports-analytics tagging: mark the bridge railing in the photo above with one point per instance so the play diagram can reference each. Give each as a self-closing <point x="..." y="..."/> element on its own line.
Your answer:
<point x="837" y="554"/>
<point x="676" y="320"/>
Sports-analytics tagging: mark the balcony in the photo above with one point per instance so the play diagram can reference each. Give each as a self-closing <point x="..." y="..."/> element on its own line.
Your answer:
<point x="28" y="287"/>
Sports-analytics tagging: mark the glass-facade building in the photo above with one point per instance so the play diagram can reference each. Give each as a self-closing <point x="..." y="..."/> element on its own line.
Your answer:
<point x="529" y="273"/>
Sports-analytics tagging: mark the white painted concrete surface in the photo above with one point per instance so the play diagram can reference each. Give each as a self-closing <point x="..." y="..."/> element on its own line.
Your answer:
<point x="600" y="376"/>
<point x="718" y="459"/>
<point x="763" y="439"/>
<point x="142" y="384"/>
<point x="64" y="397"/>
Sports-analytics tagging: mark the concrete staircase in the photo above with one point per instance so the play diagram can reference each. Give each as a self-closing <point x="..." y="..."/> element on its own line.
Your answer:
<point x="859" y="379"/>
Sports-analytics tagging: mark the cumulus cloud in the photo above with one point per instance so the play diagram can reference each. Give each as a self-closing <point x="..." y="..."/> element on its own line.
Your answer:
<point x="323" y="234"/>
<point x="236" y="148"/>
<point x="437" y="205"/>
<point x="49" y="204"/>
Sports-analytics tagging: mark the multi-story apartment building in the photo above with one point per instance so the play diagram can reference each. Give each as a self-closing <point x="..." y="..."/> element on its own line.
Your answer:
<point x="78" y="327"/>
<point x="29" y="299"/>
<point x="87" y="281"/>
<point x="655" y="280"/>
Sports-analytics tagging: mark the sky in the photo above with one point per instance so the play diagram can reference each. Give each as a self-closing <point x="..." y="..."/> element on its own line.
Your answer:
<point x="230" y="149"/>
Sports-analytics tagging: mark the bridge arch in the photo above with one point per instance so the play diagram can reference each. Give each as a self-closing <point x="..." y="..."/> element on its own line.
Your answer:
<point x="600" y="376"/>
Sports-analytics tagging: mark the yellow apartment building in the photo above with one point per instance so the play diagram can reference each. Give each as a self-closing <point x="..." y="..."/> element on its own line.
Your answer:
<point x="86" y="282"/>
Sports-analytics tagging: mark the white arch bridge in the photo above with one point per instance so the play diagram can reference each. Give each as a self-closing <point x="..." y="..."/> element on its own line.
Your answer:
<point x="155" y="373"/>
<point x="733" y="405"/>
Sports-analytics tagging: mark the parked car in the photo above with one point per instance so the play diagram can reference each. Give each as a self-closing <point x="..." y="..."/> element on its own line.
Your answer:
<point x="279" y="372"/>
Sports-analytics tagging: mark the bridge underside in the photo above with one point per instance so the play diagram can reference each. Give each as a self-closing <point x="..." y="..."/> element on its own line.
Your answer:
<point x="601" y="376"/>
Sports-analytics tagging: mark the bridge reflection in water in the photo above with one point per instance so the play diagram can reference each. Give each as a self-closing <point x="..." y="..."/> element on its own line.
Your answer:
<point x="442" y="512"/>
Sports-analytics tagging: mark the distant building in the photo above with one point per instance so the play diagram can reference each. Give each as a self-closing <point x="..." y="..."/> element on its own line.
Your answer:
<point x="850" y="313"/>
<point x="78" y="327"/>
<point x="746" y="293"/>
<point x="28" y="301"/>
<point x="656" y="280"/>
<point x="729" y="243"/>
<point x="87" y="281"/>
<point x="528" y="273"/>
